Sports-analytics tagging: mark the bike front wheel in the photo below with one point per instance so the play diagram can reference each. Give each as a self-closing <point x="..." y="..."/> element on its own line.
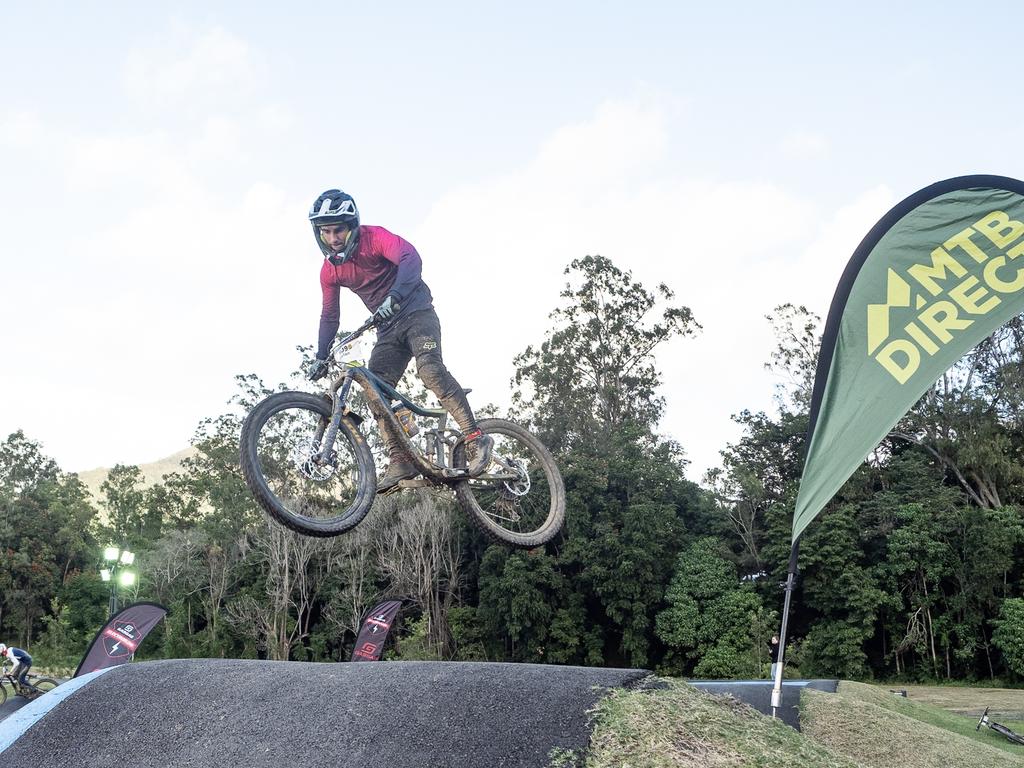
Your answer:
<point x="295" y="477"/>
<point x="519" y="499"/>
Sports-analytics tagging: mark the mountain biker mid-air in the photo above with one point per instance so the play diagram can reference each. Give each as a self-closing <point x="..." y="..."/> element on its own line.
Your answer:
<point x="383" y="270"/>
<point x="22" y="663"/>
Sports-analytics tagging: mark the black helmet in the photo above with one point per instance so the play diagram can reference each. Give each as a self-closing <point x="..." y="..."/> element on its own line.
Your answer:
<point x="335" y="207"/>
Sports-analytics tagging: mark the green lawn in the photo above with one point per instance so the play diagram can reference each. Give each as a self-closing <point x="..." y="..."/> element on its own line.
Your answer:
<point x="958" y="708"/>
<point x="1006" y="704"/>
<point x="880" y="729"/>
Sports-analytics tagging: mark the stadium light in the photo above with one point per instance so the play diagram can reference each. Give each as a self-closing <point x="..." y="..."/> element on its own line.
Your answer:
<point x="117" y="561"/>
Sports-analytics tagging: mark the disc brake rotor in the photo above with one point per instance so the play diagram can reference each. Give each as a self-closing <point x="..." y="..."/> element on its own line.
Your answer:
<point x="521" y="485"/>
<point x="302" y="456"/>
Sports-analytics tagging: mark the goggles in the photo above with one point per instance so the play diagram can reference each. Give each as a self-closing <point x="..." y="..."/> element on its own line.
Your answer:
<point x="327" y="209"/>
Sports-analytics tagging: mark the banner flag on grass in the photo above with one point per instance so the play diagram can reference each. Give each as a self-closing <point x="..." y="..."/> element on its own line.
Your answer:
<point x="937" y="275"/>
<point x="118" y="639"/>
<point x="375" y="627"/>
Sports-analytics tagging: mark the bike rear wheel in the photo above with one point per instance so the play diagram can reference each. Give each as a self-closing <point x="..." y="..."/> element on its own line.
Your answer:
<point x="519" y="500"/>
<point x="43" y="685"/>
<point x="280" y="443"/>
<point x="1010" y="735"/>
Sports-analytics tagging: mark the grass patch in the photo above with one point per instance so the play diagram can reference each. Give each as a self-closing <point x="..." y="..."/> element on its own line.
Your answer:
<point x="861" y="726"/>
<point x="679" y="726"/>
<point x="1005" y="704"/>
<point x="876" y="728"/>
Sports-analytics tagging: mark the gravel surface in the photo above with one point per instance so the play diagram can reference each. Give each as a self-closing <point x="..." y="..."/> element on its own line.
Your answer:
<point x="206" y="712"/>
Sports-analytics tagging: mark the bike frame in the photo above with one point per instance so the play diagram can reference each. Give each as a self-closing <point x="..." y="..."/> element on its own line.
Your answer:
<point x="999" y="728"/>
<point x="380" y="395"/>
<point x="7" y="677"/>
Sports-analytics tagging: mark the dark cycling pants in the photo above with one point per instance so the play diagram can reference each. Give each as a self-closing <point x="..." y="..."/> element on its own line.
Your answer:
<point x="419" y="335"/>
<point x="20" y="672"/>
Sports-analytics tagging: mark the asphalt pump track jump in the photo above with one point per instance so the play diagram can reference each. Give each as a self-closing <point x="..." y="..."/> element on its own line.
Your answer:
<point x="203" y="712"/>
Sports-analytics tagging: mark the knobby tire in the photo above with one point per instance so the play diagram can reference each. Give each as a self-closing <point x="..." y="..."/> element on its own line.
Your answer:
<point x="470" y="493"/>
<point x="44" y="684"/>
<point x="349" y="442"/>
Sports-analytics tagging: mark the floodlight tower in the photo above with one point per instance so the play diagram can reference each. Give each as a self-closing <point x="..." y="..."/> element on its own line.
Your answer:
<point x="117" y="572"/>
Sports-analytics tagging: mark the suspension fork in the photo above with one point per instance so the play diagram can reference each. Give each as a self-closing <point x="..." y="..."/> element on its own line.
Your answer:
<point x="342" y="386"/>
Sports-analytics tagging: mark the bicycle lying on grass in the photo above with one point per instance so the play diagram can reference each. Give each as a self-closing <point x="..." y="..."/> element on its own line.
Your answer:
<point x="998" y="728"/>
<point x="37" y="685"/>
<point x="310" y="467"/>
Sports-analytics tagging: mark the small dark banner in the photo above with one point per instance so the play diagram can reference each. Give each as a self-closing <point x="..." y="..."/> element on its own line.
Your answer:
<point x="370" y="643"/>
<point x="117" y="641"/>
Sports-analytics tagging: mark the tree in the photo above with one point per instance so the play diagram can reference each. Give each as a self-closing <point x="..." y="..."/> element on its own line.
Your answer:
<point x="1009" y="634"/>
<point x="44" y="534"/>
<point x="419" y="556"/>
<point x="527" y="601"/>
<point x="23" y="466"/>
<point x="591" y="390"/>
<point x="124" y="501"/>
<point x="354" y="588"/>
<point x="714" y="623"/>
<point x="760" y="471"/>
<point x="276" y="611"/>
<point x="595" y="372"/>
<point x="795" y="357"/>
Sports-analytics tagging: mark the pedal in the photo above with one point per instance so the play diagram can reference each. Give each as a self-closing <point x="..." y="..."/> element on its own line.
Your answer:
<point x="418" y="482"/>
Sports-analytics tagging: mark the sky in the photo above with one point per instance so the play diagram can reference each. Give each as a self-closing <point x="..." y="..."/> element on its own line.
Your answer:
<point x="157" y="166"/>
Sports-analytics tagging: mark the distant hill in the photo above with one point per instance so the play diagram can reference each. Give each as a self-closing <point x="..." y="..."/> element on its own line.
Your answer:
<point x="151" y="473"/>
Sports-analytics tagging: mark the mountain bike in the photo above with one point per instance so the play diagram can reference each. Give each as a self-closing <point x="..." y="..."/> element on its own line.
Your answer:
<point x="310" y="466"/>
<point x="36" y="688"/>
<point x="1016" y="738"/>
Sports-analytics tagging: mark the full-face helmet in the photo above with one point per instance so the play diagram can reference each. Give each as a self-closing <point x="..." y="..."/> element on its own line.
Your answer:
<point x="335" y="207"/>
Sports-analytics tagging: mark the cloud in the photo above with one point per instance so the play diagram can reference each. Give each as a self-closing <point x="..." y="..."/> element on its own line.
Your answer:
<point x="19" y="129"/>
<point x="730" y="248"/>
<point x="805" y="145"/>
<point x="191" y="70"/>
<point x="140" y="275"/>
<point x="173" y="280"/>
<point x="822" y="261"/>
<point x="622" y="139"/>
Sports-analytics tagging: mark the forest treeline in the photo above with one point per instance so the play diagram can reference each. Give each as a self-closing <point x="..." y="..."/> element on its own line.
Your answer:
<point x="913" y="571"/>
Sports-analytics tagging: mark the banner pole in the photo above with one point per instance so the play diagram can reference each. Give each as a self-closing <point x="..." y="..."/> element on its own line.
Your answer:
<point x="790" y="583"/>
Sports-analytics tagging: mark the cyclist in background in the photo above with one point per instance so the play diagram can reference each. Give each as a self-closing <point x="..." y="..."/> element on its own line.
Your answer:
<point x="383" y="270"/>
<point x="22" y="663"/>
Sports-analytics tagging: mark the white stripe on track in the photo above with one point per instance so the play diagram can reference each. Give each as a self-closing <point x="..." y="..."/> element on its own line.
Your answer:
<point x="14" y="725"/>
